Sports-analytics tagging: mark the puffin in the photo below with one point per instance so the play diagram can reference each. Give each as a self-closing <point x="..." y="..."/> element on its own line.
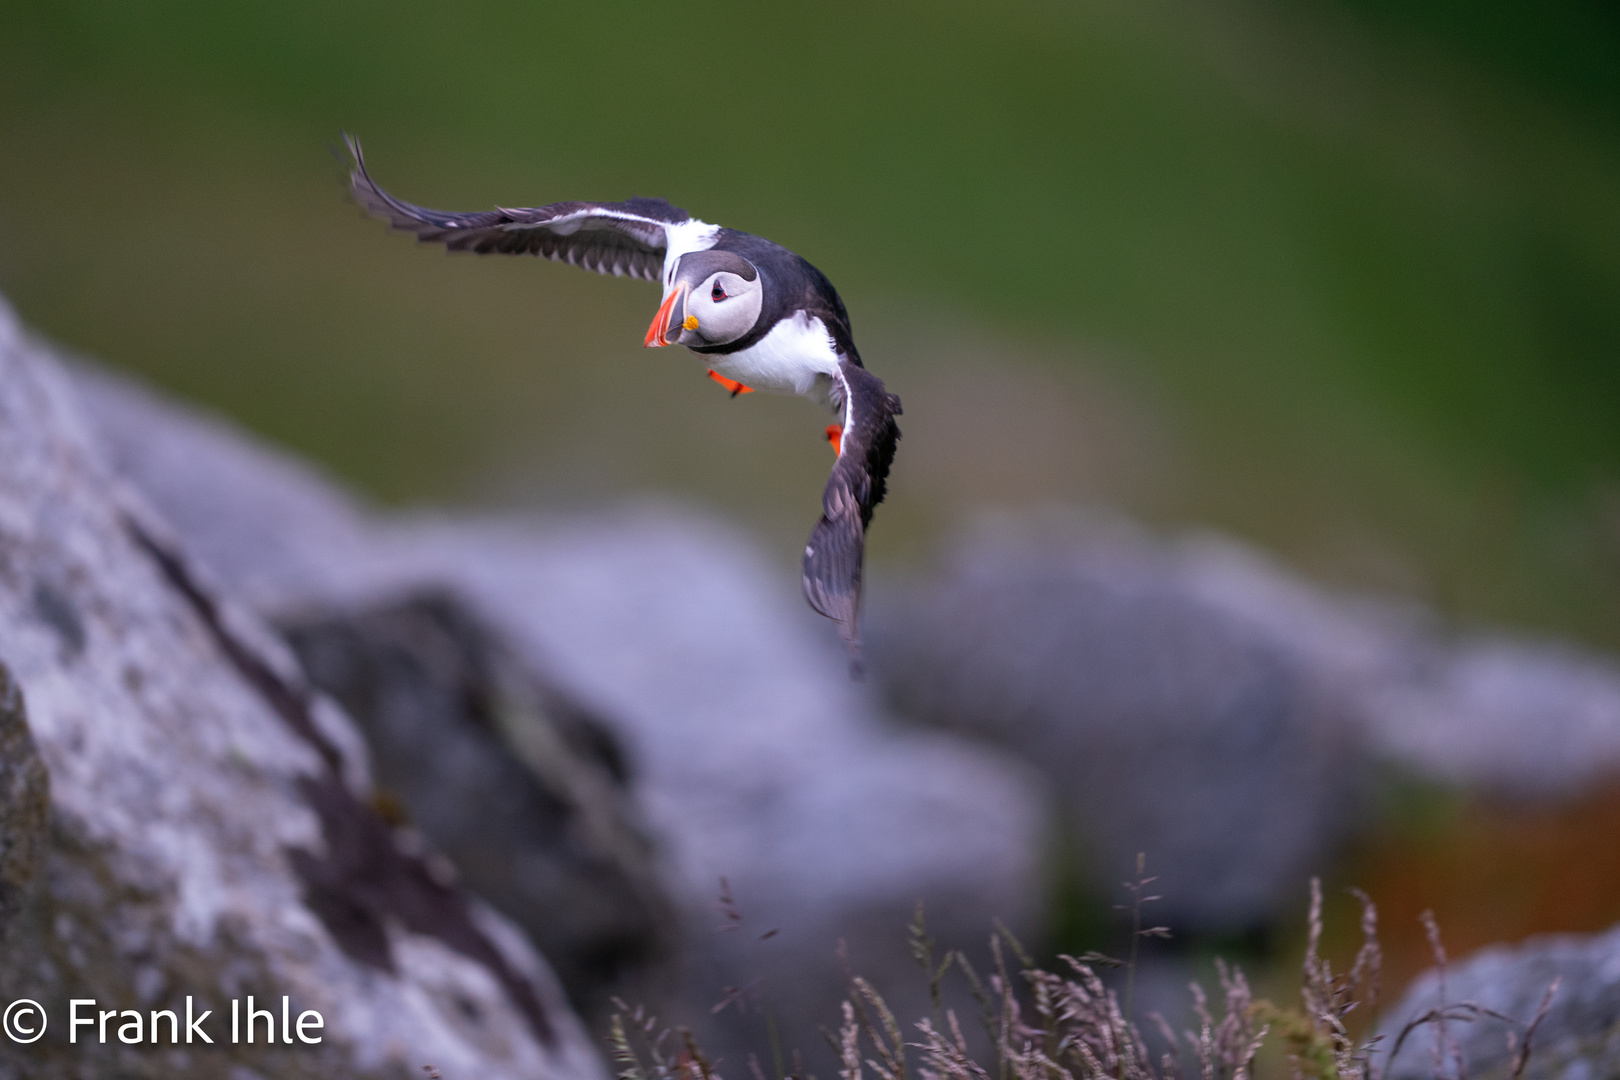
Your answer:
<point x="758" y="316"/>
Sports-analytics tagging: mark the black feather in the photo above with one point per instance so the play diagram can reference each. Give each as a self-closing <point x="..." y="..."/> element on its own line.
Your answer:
<point x="834" y="556"/>
<point x="609" y="238"/>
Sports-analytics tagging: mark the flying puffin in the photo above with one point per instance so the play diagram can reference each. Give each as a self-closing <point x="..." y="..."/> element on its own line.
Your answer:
<point x="759" y="316"/>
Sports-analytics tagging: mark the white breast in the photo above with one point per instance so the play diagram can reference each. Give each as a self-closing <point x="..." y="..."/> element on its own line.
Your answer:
<point x="796" y="357"/>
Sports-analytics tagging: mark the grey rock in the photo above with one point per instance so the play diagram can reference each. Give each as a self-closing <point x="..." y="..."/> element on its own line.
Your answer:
<point x="1579" y="1036"/>
<point x="1513" y="714"/>
<point x="522" y="789"/>
<point x="1166" y="726"/>
<point x="206" y="834"/>
<point x="24" y="806"/>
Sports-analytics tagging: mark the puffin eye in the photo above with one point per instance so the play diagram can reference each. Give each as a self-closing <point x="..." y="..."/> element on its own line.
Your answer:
<point x="717" y="293"/>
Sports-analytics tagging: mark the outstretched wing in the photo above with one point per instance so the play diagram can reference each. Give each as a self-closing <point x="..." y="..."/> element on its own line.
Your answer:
<point x="832" y="559"/>
<point x="610" y="238"/>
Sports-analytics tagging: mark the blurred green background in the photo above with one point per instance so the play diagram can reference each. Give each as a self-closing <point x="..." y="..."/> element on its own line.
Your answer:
<point x="1339" y="276"/>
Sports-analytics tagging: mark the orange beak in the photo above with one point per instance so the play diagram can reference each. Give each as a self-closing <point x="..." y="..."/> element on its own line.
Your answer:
<point x="660" y="323"/>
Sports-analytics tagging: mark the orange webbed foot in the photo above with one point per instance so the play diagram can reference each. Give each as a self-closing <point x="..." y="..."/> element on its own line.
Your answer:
<point x="835" y="435"/>
<point x="731" y="384"/>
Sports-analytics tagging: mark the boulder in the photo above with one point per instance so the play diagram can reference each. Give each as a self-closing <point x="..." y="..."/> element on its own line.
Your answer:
<point x="1165" y="725"/>
<point x="1577" y="1039"/>
<point x="204" y="833"/>
<point x="1509" y="714"/>
<point x="525" y="791"/>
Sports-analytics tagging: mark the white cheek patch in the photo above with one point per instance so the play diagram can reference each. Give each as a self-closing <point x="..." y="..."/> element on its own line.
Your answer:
<point x="732" y="314"/>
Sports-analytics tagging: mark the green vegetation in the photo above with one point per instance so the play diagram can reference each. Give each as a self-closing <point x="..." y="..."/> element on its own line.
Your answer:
<point x="1357" y="264"/>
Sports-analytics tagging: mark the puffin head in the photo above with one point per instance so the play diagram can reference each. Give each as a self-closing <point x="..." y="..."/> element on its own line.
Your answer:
<point x="713" y="297"/>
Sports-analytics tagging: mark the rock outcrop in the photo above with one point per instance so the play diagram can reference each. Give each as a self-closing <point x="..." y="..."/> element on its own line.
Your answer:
<point x="206" y="834"/>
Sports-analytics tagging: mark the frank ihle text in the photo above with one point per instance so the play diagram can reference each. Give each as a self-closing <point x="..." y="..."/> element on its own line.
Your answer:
<point x="25" y="1021"/>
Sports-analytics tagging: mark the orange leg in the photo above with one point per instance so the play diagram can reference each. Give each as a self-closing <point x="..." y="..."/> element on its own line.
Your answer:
<point x="731" y="384"/>
<point x="835" y="435"/>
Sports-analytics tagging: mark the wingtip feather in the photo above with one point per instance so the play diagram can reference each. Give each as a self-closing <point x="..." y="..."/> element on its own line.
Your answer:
<point x="832" y="575"/>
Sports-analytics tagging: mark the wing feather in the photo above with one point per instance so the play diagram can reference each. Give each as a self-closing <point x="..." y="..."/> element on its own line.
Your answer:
<point x="623" y="239"/>
<point x="834" y="556"/>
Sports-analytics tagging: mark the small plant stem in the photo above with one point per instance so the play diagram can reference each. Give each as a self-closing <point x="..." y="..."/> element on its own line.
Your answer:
<point x="776" y="1041"/>
<point x="1136" y="936"/>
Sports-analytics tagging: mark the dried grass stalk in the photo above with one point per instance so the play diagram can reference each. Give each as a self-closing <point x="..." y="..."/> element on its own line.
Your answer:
<point x="1068" y="1025"/>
